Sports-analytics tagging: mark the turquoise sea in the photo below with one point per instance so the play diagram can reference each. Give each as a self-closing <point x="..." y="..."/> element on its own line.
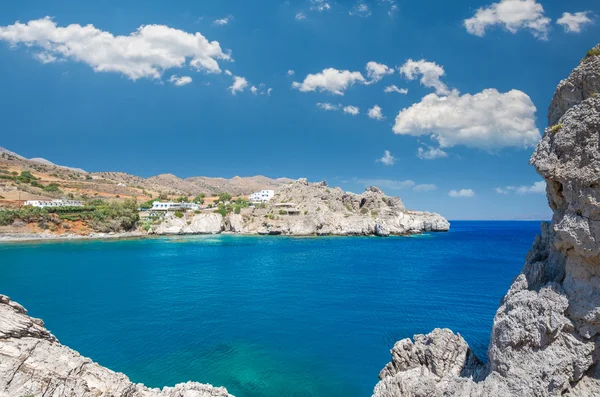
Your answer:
<point x="265" y="316"/>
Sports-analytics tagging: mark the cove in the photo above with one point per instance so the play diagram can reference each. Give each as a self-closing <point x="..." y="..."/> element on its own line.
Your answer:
<point x="265" y="316"/>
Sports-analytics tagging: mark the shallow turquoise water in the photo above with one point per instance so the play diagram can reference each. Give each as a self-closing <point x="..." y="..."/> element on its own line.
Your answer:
<point x="265" y="316"/>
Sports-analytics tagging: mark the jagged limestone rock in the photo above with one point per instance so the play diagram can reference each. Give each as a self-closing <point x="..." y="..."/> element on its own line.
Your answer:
<point x="546" y="334"/>
<point x="34" y="363"/>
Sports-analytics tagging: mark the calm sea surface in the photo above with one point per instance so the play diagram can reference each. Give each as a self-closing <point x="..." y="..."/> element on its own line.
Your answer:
<point x="265" y="316"/>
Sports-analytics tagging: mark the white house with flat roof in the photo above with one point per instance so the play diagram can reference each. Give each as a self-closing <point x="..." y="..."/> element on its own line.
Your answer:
<point x="54" y="203"/>
<point x="261" y="197"/>
<point x="171" y="206"/>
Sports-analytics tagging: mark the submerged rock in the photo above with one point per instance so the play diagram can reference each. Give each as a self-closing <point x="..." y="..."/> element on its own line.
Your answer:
<point x="34" y="363"/>
<point x="546" y="333"/>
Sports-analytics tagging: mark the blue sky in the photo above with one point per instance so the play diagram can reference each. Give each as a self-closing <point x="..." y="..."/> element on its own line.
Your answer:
<point x="78" y="96"/>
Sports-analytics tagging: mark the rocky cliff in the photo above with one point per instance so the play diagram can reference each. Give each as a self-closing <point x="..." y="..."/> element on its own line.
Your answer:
<point x="546" y="333"/>
<point x="301" y="208"/>
<point x="34" y="363"/>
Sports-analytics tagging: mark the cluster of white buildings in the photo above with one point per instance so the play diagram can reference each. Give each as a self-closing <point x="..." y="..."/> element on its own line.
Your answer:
<point x="54" y="203"/>
<point x="261" y="197"/>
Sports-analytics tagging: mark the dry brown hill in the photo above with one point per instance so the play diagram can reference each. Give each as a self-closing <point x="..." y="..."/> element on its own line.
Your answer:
<point x="110" y="185"/>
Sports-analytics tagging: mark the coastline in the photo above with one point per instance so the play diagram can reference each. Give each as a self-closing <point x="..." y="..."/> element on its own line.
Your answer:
<point x="25" y="237"/>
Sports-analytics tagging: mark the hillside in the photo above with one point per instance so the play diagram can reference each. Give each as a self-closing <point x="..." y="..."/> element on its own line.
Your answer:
<point x="110" y="185"/>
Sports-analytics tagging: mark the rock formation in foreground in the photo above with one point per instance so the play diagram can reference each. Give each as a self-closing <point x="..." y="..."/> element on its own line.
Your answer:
<point x="546" y="334"/>
<point x="34" y="363"/>
<point x="301" y="208"/>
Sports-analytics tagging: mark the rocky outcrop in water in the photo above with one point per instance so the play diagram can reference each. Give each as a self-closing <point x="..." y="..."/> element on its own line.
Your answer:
<point x="546" y="333"/>
<point x="34" y="363"/>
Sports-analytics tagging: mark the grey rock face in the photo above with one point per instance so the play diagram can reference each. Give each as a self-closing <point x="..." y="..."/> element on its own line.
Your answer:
<point x="318" y="209"/>
<point x="546" y="333"/>
<point x="195" y="224"/>
<point x="583" y="83"/>
<point x="34" y="363"/>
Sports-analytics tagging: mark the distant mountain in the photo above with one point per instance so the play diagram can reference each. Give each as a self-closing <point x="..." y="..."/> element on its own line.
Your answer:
<point x="80" y="183"/>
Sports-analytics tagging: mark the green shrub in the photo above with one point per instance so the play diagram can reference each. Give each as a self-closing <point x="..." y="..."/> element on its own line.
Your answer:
<point x="364" y="211"/>
<point x="147" y="205"/>
<point x="199" y="199"/>
<point x="197" y="212"/>
<point x="318" y="208"/>
<point x="237" y="209"/>
<point x="53" y="187"/>
<point x="224" y="197"/>
<point x="306" y="212"/>
<point x="283" y="212"/>
<point x="178" y="214"/>
<point x="26" y="177"/>
<point x="593" y="52"/>
<point x="556" y="128"/>
<point x="182" y="199"/>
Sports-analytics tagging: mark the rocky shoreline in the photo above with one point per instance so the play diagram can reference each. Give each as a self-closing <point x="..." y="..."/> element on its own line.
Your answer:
<point x="546" y="334"/>
<point x="301" y="208"/>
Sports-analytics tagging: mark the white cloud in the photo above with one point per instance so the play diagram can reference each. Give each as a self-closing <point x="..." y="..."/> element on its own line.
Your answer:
<point x="376" y="71"/>
<point x="147" y="52"/>
<point x="45" y="57"/>
<point x="375" y="113"/>
<point x="320" y="5"/>
<point x="269" y="91"/>
<point x="514" y="15"/>
<point x="300" y="16"/>
<point x="461" y="193"/>
<point x="223" y="21"/>
<point x="328" y="106"/>
<point x="394" y="88"/>
<point x="387" y="184"/>
<point x="424" y="188"/>
<point x="353" y="110"/>
<point x="180" y="81"/>
<point x="228" y="72"/>
<point x="572" y="23"/>
<point x="291" y="72"/>
<point x="254" y="90"/>
<point x="361" y="10"/>
<point x="486" y="120"/>
<point x="430" y="73"/>
<point x="332" y="80"/>
<point x="536" y="188"/>
<point x="431" y="153"/>
<point x="239" y="84"/>
<point x="387" y="159"/>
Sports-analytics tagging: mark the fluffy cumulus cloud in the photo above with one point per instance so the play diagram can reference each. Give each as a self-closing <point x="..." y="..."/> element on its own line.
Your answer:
<point x="375" y="113"/>
<point x="223" y="21"/>
<point x="394" y="88"/>
<point x="376" y="71"/>
<point x="320" y="5"/>
<point x="425" y="188"/>
<point x="328" y="106"/>
<point x="431" y="153"/>
<point x="300" y="16"/>
<point x="487" y="120"/>
<point x="361" y="10"/>
<point x="291" y="72"/>
<point x="387" y="159"/>
<point x="180" y="81"/>
<point x="331" y="80"/>
<point x="513" y="15"/>
<point x="573" y="23"/>
<point x="145" y="53"/>
<point x="536" y="188"/>
<point x="430" y="73"/>
<point x="461" y="193"/>
<point x="353" y="110"/>
<point x="239" y="84"/>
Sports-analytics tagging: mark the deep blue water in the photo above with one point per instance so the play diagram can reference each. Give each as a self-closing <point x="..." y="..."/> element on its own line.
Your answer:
<point x="265" y="316"/>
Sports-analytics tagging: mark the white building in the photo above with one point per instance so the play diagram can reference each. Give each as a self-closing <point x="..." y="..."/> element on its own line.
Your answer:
<point x="54" y="203"/>
<point x="170" y="206"/>
<point x="261" y="197"/>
